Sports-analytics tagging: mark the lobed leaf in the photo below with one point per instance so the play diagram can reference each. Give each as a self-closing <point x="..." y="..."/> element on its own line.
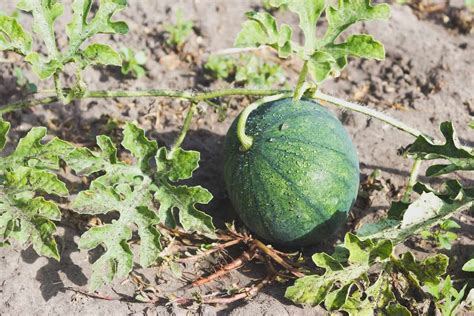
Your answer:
<point x="13" y="37"/>
<point x="25" y="216"/>
<point x="45" y="13"/>
<point x="323" y="55"/>
<point x="100" y="54"/>
<point x="261" y="29"/>
<point x="80" y="28"/>
<point x="178" y="164"/>
<point x="460" y="157"/>
<point x="333" y="286"/>
<point x="132" y="191"/>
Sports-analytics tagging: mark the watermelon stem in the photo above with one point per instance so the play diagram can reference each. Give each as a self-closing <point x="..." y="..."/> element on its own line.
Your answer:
<point x="369" y="112"/>
<point x="415" y="170"/>
<point x="300" y="86"/>
<point x="246" y="141"/>
<point x="100" y="94"/>
<point x="184" y="129"/>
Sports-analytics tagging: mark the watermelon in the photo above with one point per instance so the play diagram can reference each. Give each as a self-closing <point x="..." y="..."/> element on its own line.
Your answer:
<point x="298" y="181"/>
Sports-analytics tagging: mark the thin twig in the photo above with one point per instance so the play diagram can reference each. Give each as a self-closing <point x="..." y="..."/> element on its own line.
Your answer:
<point x="92" y="295"/>
<point x="219" y="247"/>
<point x="246" y="293"/>
<point x="245" y="257"/>
<point x="285" y="264"/>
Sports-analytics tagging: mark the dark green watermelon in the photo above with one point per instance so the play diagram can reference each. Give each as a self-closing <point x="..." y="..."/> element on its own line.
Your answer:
<point x="297" y="183"/>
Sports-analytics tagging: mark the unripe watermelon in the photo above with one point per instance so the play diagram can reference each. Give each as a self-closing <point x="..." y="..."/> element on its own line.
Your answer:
<point x="297" y="183"/>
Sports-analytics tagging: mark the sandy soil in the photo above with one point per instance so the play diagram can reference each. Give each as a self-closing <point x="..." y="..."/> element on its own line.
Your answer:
<point x="426" y="79"/>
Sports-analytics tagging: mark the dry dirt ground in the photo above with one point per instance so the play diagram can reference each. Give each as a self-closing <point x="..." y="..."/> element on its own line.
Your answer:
<point x="426" y="79"/>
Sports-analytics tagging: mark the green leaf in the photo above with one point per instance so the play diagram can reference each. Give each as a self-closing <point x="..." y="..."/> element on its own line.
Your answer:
<point x="450" y="224"/>
<point x="134" y="191"/>
<point x="468" y="266"/>
<point x="25" y="216"/>
<point x="333" y="286"/>
<point x="4" y="129"/>
<point x="100" y="54"/>
<point x="324" y="56"/>
<point x="460" y="157"/>
<point x="177" y="165"/>
<point x="45" y="13"/>
<point x="135" y="141"/>
<point x="398" y="310"/>
<point x="184" y="199"/>
<point x="349" y="12"/>
<point x="447" y="298"/>
<point x="309" y="12"/>
<point x="44" y="69"/>
<point x="81" y="27"/>
<point x="117" y="261"/>
<point x="427" y="271"/>
<point x="261" y="29"/>
<point x="13" y="37"/>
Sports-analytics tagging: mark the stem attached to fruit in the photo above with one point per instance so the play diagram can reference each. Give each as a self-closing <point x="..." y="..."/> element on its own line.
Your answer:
<point x="299" y="90"/>
<point x="246" y="141"/>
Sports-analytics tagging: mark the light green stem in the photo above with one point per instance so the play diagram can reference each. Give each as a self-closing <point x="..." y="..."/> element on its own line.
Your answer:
<point x="246" y="141"/>
<point x="369" y="112"/>
<point x="415" y="170"/>
<point x="206" y="95"/>
<point x="188" y="95"/>
<point x="301" y="82"/>
<point x="185" y="129"/>
<point x="59" y="88"/>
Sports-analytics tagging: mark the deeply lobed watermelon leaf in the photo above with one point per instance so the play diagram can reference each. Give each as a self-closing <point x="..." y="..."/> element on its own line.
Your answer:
<point x="346" y="286"/>
<point x="133" y="191"/>
<point x="27" y="174"/>
<point x="325" y="56"/>
<point x="459" y="156"/>
<point x="83" y="27"/>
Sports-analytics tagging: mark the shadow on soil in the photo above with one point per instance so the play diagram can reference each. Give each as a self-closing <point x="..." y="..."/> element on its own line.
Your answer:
<point x="50" y="275"/>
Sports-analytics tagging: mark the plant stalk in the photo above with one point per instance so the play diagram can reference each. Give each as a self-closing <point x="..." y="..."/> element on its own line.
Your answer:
<point x="369" y="112"/>
<point x="415" y="170"/>
<point x="206" y="95"/>
<point x="185" y="129"/>
<point x="299" y="91"/>
<point x="59" y="88"/>
<point x="187" y="95"/>
<point x="246" y="141"/>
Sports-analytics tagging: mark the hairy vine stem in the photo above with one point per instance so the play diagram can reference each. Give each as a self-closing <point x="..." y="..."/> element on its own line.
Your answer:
<point x="246" y="141"/>
<point x="415" y="170"/>
<point x="207" y="95"/>
<point x="187" y="95"/>
<point x="185" y="129"/>
<point x="299" y="90"/>
<point x="369" y="112"/>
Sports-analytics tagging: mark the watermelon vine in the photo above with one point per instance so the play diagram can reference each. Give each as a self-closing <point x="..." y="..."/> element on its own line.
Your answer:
<point x="364" y="275"/>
